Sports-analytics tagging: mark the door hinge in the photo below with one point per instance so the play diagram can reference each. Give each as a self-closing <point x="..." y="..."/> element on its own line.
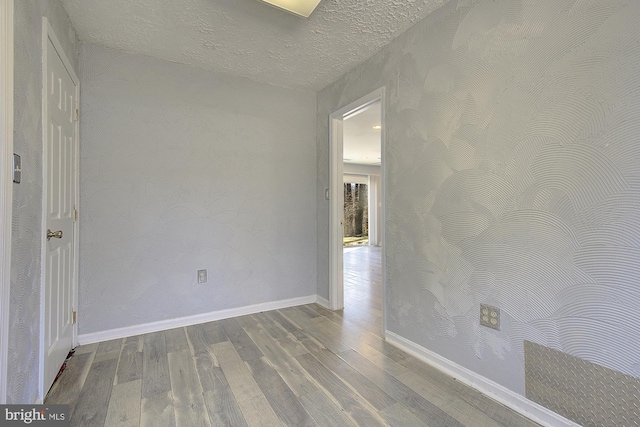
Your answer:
<point x="77" y="114"/>
<point x="75" y="214"/>
<point x="74" y="316"/>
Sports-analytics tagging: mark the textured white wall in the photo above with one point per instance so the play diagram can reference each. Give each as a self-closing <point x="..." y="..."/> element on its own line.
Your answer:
<point x="513" y="162"/>
<point x="184" y="169"/>
<point x="24" y="311"/>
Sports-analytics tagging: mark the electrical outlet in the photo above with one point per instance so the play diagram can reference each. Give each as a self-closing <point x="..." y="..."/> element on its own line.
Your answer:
<point x="202" y="276"/>
<point x="490" y="316"/>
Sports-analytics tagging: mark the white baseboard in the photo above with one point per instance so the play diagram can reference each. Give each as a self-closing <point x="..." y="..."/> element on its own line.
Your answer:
<point x="322" y="301"/>
<point x="163" y="325"/>
<point x="509" y="398"/>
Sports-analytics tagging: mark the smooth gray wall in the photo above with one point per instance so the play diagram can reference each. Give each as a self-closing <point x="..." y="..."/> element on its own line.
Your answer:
<point x="183" y="169"/>
<point x="513" y="178"/>
<point x="24" y="316"/>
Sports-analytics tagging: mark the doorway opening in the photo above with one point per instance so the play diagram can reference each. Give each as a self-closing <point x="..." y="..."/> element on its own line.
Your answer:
<point x="357" y="208"/>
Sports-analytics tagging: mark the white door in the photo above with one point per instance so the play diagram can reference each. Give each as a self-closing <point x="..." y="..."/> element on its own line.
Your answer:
<point x="59" y="210"/>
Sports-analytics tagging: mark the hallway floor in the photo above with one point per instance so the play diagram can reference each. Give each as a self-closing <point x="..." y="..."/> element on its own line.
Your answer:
<point x="299" y="366"/>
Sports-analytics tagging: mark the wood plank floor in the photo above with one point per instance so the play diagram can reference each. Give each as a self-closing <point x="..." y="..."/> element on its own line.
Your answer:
<point x="300" y="366"/>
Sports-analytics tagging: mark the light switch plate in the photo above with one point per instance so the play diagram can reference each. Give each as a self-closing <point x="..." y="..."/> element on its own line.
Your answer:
<point x="17" y="168"/>
<point x="202" y="276"/>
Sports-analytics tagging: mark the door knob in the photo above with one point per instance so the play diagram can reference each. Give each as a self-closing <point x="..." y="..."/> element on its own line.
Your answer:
<point x="56" y="234"/>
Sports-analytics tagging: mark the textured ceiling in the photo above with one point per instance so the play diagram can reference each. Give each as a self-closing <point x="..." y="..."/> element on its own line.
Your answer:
<point x="250" y="38"/>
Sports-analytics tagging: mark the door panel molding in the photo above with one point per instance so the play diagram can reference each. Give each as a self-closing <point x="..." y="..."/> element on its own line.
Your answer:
<point x="6" y="185"/>
<point x="49" y="40"/>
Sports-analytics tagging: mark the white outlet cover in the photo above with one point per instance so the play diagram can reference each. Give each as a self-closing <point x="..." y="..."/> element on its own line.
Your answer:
<point x="490" y="316"/>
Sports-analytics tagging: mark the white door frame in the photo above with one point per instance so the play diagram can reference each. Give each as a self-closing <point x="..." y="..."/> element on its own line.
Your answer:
<point x="336" y="203"/>
<point x="6" y="182"/>
<point x="48" y="34"/>
<point x="374" y="185"/>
